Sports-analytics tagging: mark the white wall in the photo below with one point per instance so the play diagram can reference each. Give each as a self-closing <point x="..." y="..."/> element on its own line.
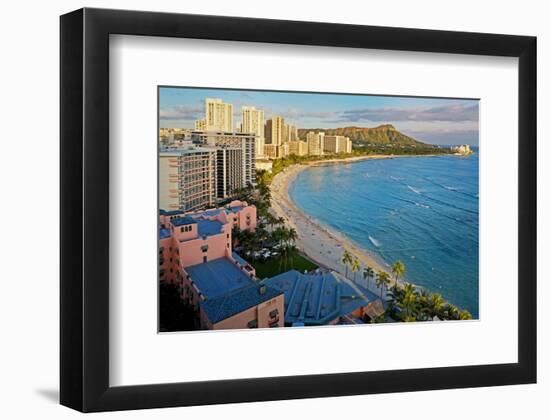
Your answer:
<point x="29" y="268"/>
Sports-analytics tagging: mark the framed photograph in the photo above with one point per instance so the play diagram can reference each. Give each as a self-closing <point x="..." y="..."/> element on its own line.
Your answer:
<point x="257" y="210"/>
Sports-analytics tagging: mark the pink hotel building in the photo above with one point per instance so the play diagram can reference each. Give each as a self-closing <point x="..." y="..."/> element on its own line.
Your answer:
<point x="195" y="253"/>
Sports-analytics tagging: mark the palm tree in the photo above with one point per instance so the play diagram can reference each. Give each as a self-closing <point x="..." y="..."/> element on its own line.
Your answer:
<point x="398" y="269"/>
<point x="435" y="305"/>
<point x="292" y="235"/>
<point x="346" y="259"/>
<point x="382" y="280"/>
<point x="409" y="302"/>
<point x="368" y="273"/>
<point x="394" y="298"/>
<point x="355" y="266"/>
<point x="464" y="314"/>
<point x="451" y="312"/>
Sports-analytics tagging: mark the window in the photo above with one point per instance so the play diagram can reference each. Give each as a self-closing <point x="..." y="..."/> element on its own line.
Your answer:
<point x="253" y="324"/>
<point x="204" y="248"/>
<point x="274" y="313"/>
<point x="228" y="245"/>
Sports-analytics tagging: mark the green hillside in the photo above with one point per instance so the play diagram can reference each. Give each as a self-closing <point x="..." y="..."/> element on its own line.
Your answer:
<point x="382" y="135"/>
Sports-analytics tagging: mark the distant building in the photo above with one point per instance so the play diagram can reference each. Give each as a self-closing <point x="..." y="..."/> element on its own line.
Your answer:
<point x="253" y="122"/>
<point x="463" y="149"/>
<point x="284" y="149"/>
<point x="297" y="148"/>
<point x="274" y="131"/>
<point x="229" y="171"/>
<point x="264" y="165"/>
<point x="245" y="141"/>
<point x="337" y="144"/>
<point x="290" y="133"/>
<point x="187" y="178"/>
<point x="315" y="143"/>
<point x="218" y="115"/>
<point x="273" y="151"/>
<point x="200" y="125"/>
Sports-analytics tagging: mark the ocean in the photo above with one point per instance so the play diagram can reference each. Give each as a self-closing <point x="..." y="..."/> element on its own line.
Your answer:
<point x="423" y="211"/>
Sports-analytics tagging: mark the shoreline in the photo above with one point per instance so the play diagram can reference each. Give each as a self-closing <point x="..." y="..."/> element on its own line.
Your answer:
<point x="317" y="241"/>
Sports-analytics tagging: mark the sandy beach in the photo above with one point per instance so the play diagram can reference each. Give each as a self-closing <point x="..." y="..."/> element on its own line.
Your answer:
<point x="322" y="245"/>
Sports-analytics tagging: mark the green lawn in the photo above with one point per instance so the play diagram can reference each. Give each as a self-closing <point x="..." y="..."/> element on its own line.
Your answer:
<point x="274" y="266"/>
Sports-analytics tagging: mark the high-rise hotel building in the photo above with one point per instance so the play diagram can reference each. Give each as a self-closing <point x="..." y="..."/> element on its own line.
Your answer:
<point x="244" y="141"/>
<point x="297" y="148"/>
<point x="337" y="144"/>
<point x="290" y="133"/>
<point x="253" y="122"/>
<point x="187" y="178"/>
<point x="274" y="131"/>
<point x="229" y="171"/>
<point x="218" y="116"/>
<point x="315" y="143"/>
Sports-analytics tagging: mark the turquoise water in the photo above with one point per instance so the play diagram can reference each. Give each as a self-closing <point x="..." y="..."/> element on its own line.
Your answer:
<point x="421" y="210"/>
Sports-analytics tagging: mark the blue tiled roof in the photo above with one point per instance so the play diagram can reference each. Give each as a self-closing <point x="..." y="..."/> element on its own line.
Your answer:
<point x="316" y="299"/>
<point x="164" y="233"/>
<point x="209" y="213"/>
<point x="218" y="277"/>
<point x="232" y="303"/>
<point x="209" y="227"/>
<point x="235" y="209"/>
<point x="181" y="221"/>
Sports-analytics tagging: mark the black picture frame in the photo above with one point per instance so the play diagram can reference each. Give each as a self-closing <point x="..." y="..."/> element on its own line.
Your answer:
<point x="84" y="298"/>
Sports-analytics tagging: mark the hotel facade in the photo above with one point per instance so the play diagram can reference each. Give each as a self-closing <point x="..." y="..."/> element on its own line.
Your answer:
<point x="274" y="130"/>
<point x="315" y="143"/>
<point x="187" y="178"/>
<point x="218" y="115"/>
<point x="245" y="141"/>
<point x="253" y="122"/>
<point x="337" y="144"/>
<point x="297" y="148"/>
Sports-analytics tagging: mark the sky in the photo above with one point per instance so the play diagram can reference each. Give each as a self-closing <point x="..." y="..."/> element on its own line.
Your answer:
<point x="431" y="120"/>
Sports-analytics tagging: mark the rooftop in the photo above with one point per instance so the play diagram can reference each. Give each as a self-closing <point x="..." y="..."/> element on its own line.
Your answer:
<point x="208" y="227"/>
<point x="164" y="233"/>
<point x="208" y="213"/>
<point x="316" y="299"/>
<point x="222" y="307"/>
<point x="182" y="221"/>
<point x="235" y="209"/>
<point x="185" y="150"/>
<point x="218" y="277"/>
